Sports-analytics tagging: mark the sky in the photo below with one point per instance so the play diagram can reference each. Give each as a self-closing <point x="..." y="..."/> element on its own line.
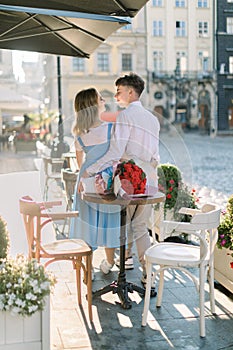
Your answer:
<point x="17" y="59"/>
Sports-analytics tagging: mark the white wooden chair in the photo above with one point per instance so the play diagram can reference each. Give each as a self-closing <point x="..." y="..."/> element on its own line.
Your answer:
<point x="69" y="180"/>
<point x="52" y="171"/>
<point x="180" y="256"/>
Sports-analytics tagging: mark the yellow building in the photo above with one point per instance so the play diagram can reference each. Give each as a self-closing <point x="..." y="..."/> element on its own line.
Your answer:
<point x="170" y="43"/>
<point x="123" y="52"/>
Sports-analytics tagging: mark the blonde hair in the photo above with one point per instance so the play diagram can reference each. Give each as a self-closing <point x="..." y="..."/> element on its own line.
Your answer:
<point x="86" y="110"/>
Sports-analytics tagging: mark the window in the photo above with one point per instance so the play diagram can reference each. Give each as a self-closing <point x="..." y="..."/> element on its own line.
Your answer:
<point x="180" y="3"/>
<point x="157" y="3"/>
<point x="181" y="61"/>
<point x="157" y="28"/>
<point x="126" y="61"/>
<point x="204" y="61"/>
<point x="231" y="64"/>
<point x="203" y="28"/>
<point x="229" y="25"/>
<point x="128" y="26"/>
<point x="205" y="64"/>
<point x="158" y="61"/>
<point x="78" y="64"/>
<point x="202" y="3"/>
<point x="103" y="62"/>
<point x="229" y="0"/>
<point x="180" y="28"/>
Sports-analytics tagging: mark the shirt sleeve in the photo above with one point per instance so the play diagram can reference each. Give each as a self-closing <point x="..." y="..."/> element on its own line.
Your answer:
<point x="118" y="142"/>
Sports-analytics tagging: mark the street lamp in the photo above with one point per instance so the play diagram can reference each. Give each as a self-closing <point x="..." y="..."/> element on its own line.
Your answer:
<point x="59" y="147"/>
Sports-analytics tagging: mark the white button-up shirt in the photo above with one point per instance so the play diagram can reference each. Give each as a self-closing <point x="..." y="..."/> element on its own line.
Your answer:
<point x="135" y="136"/>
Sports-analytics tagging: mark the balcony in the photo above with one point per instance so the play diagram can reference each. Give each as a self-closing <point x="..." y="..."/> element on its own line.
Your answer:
<point x="163" y="76"/>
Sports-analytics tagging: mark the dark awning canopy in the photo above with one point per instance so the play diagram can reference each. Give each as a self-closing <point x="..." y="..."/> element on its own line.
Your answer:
<point x="54" y="31"/>
<point x="105" y="7"/>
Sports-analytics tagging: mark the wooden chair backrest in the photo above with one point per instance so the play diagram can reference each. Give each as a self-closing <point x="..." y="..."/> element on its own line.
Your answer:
<point x="31" y="212"/>
<point x="208" y="218"/>
<point x="52" y="165"/>
<point x="208" y="221"/>
<point x="69" y="179"/>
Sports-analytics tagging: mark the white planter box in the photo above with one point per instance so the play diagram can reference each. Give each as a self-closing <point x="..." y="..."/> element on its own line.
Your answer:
<point x="27" y="146"/>
<point x="25" y="333"/>
<point x="223" y="273"/>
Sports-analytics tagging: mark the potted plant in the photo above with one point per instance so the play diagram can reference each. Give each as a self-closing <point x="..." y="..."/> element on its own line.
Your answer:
<point x="178" y="195"/>
<point x="25" y="287"/>
<point x="4" y="239"/>
<point x="223" y="255"/>
<point x="25" y="141"/>
<point x="177" y="192"/>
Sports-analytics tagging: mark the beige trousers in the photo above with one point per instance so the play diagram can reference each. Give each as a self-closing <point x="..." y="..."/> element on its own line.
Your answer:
<point x="137" y="218"/>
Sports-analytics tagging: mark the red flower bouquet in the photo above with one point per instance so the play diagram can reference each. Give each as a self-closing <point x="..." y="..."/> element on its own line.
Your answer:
<point x="132" y="177"/>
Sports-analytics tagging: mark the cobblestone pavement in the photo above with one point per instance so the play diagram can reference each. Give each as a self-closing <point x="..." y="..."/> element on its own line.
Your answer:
<point x="205" y="162"/>
<point x="175" y="324"/>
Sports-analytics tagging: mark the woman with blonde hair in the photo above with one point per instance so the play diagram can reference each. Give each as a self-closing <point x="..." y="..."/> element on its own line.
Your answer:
<point x="97" y="224"/>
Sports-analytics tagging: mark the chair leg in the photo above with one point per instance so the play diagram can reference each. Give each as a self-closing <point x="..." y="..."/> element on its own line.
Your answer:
<point x="154" y="221"/>
<point x="161" y="216"/>
<point x="202" y="300"/>
<point x="147" y="295"/>
<point x="89" y="285"/>
<point x="160" y="288"/>
<point x="77" y="267"/>
<point x="211" y="286"/>
<point x="46" y="187"/>
<point x="65" y="223"/>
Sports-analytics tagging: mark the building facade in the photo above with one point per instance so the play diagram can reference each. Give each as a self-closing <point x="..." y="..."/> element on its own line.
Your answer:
<point x="170" y="44"/>
<point x="7" y="77"/>
<point x="183" y="50"/>
<point x="123" y="52"/>
<point x="181" y="62"/>
<point x="15" y="100"/>
<point x="224" y="49"/>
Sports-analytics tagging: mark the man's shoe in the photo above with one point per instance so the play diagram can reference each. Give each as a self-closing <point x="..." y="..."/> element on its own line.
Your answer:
<point x="153" y="293"/>
<point x="105" y="267"/>
<point x="128" y="263"/>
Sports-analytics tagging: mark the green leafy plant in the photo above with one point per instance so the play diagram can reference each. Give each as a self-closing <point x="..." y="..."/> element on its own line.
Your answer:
<point x="4" y="239"/>
<point x="24" y="284"/>
<point x="169" y="182"/>
<point x="178" y="194"/>
<point x="225" y="229"/>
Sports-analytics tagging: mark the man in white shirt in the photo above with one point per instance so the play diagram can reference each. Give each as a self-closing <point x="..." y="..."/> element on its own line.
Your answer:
<point x="135" y="136"/>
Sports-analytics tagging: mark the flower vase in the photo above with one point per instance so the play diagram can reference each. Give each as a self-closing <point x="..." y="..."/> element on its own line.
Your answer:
<point x="25" y="332"/>
<point x="223" y="273"/>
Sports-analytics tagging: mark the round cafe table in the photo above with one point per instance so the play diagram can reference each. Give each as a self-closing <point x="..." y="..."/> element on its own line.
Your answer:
<point x="121" y="286"/>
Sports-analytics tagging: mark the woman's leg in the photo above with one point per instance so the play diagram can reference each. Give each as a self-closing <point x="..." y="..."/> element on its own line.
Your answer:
<point x="110" y="255"/>
<point x="107" y="264"/>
